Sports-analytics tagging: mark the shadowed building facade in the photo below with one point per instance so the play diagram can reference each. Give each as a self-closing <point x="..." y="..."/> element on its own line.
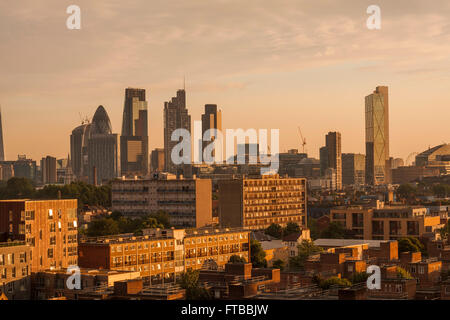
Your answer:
<point x="103" y="149"/>
<point x="134" y="139"/>
<point x="377" y="137"/>
<point x="211" y="119"/>
<point x="353" y="169"/>
<point x="79" y="150"/>
<point x="176" y="116"/>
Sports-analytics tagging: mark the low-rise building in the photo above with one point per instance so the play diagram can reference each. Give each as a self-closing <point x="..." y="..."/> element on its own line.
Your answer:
<point x="161" y="256"/>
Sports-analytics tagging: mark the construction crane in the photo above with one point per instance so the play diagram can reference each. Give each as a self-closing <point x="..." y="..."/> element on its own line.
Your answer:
<point x="303" y="140"/>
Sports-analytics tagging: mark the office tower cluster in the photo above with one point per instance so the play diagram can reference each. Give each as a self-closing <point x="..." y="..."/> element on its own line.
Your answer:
<point x="331" y="160"/>
<point x="98" y="155"/>
<point x="95" y="150"/>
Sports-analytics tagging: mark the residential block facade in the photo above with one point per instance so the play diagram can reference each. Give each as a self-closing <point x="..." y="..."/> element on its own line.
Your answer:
<point x="256" y="203"/>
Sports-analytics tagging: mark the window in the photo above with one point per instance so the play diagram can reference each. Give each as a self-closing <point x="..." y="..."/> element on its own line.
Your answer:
<point x="50" y="213"/>
<point x="2" y="259"/>
<point x="13" y="272"/>
<point x="421" y="269"/>
<point x="3" y="273"/>
<point x="11" y="258"/>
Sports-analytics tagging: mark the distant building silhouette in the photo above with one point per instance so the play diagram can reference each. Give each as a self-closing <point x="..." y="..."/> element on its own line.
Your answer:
<point x="157" y="160"/>
<point x="134" y="138"/>
<point x="211" y="119"/>
<point x="176" y="116"/>
<point x="103" y="149"/>
<point x="48" y="170"/>
<point x="79" y="149"/>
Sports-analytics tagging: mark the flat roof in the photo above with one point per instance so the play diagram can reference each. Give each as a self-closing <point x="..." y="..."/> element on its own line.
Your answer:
<point x="348" y="242"/>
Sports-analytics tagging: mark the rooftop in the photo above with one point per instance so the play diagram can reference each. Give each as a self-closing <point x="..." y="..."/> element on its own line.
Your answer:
<point x="348" y="242"/>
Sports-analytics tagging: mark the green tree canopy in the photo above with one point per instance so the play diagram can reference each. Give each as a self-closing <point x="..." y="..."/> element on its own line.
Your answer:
<point x="274" y="230"/>
<point x="103" y="227"/>
<point x="237" y="259"/>
<point x="291" y="228"/>
<point x="335" y="230"/>
<point x="189" y="282"/>
<point x="17" y="188"/>
<point x="278" y="264"/>
<point x="409" y="244"/>
<point x="406" y="191"/>
<point x="403" y="274"/>
<point x="258" y="255"/>
<point x="325" y="284"/>
<point x="305" y="249"/>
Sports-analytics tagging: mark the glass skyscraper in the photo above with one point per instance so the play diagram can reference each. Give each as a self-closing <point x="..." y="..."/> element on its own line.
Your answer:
<point x="377" y="137"/>
<point x="134" y="138"/>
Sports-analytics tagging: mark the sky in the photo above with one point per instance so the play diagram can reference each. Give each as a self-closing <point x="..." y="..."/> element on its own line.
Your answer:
<point x="267" y="64"/>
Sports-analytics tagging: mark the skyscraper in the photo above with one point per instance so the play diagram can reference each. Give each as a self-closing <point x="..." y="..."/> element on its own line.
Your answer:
<point x="333" y="144"/>
<point x="103" y="149"/>
<point x="2" y="150"/>
<point x="176" y="116"/>
<point x="48" y="170"/>
<point x="78" y="150"/>
<point x="377" y="137"/>
<point x="134" y="138"/>
<point x="353" y="169"/>
<point x="211" y="119"/>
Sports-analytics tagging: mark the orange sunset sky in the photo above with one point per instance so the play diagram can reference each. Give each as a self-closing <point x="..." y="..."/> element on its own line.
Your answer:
<point x="266" y="64"/>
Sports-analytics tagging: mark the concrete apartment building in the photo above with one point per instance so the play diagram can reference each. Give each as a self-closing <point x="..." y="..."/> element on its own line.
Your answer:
<point x="49" y="227"/>
<point x="15" y="270"/>
<point x="187" y="201"/>
<point x="386" y="223"/>
<point x="162" y="255"/>
<point x="256" y="203"/>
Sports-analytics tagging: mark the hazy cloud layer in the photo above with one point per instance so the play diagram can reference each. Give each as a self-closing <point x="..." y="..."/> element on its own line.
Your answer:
<point x="256" y="59"/>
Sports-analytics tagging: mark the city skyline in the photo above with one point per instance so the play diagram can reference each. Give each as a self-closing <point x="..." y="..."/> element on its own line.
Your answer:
<point x="273" y="75"/>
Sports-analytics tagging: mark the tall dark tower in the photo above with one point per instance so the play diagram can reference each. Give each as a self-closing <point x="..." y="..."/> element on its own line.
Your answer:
<point x="2" y="150"/>
<point x="134" y="139"/>
<point x="176" y="116"/>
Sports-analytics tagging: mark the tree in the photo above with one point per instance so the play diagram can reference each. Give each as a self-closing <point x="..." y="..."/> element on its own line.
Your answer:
<point x="406" y="191"/>
<point x="103" y="227"/>
<point x="359" y="277"/>
<point x="116" y="215"/>
<point x="407" y="245"/>
<point x="291" y="228"/>
<point x="441" y="190"/>
<point x="236" y="259"/>
<point x="18" y="188"/>
<point x="325" y="284"/>
<point x="305" y="249"/>
<point x="257" y="254"/>
<point x="278" y="264"/>
<point x="162" y="217"/>
<point x="274" y="230"/>
<point x="403" y="274"/>
<point x="189" y="282"/>
<point x="335" y="230"/>
<point x="313" y="228"/>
